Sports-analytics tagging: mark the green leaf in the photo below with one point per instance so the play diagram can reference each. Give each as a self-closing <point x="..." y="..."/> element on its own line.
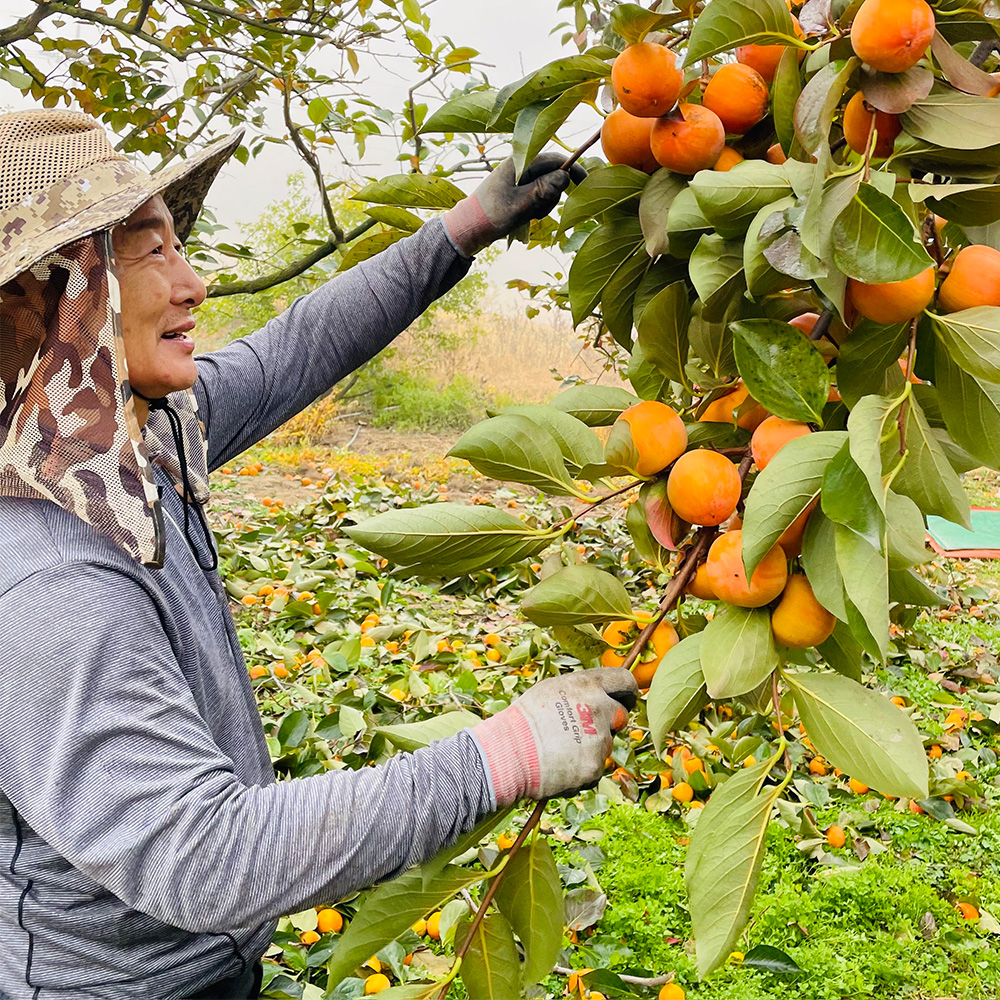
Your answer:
<point x="926" y="476"/>
<point x="972" y="338"/>
<point x="576" y="595"/>
<point x="789" y="483"/>
<point x="875" y="241"/>
<point x="843" y="652"/>
<point x="368" y="247"/>
<point x="818" y="103"/>
<point x="761" y="276"/>
<point x="819" y="559"/>
<point x="293" y="729"/>
<point x="602" y="190"/>
<point x="685" y="223"/>
<point x="848" y="500"/>
<point x="515" y="449"/>
<point x="869" y="425"/>
<point x="465" y="113"/>
<point x="862" y="733"/>
<point x="866" y="586"/>
<point x="618" y="295"/>
<point x="971" y="409"/>
<point x="449" y="534"/>
<point x="905" y="587"/>
<point x="595" y="405"/>
<point x="632" y="22"/>
<point x="716" y="269"/>
<point x="530" y="897"/>
<point x="725" y="24"/>
<point x="730" y="199"/>
<point x="663" y="331"/>
<point x="785" y="90"/>
<point x="491" y="969"/>
<point x="764" y="958"/>
<point x="647" y="380"/>
<point x="411" y="736"/>
<point x="579" y="445"/>
<point x="398" y="218"/>
<point x="391" y="909"/>
<point x="954" y="120"/>
<point x="966" y="204"/>
<point x="677" y="692"/>
<point x="906" y="533"/>
<point x="603" y="253"/>
<point x="584" y="642"/>
<point x="712" y="341"/>
<point x="737" y="651"/>
<point x="782" y="369"/>
<point x="866" y="355"/>
<point x="654" y="206"/>
<point x="536" y="124"/>
<point x="646" y="545"/>
<point x="319" y="110"/>
<point x="549" y="81"/>
<point x="412" y="190"/>
<point x="723" y="862"/>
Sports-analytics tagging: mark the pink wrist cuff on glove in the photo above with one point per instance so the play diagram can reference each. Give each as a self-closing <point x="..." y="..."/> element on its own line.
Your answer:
<point x="468" y="226"/>
<point x="510" y="755"/>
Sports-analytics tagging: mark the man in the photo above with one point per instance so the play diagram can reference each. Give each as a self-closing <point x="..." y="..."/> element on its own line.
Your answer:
<point x="145" y="849"/>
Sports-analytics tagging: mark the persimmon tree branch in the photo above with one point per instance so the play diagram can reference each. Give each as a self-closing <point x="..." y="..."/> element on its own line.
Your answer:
<point x="311" y="160"/>
<point x="289" y="271"/>
<point x="911" y="355"/>
<point x="682" y="575"/>
<point x="461" y="952"/>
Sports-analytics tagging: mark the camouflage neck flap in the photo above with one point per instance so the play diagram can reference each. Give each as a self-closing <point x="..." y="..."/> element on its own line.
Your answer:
<point x="68" y="427"/>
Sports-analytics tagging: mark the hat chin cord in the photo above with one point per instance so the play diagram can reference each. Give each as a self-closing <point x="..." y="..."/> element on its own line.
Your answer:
<point x="188" y="497"/>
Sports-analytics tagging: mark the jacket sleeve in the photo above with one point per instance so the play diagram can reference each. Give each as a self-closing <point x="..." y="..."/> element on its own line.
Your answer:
<point x="104" y="754"/>
<point x="256" y="383"/>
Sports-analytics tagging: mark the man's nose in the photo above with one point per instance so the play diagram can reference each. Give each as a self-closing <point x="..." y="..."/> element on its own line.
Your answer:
<point x="188" y="288"/>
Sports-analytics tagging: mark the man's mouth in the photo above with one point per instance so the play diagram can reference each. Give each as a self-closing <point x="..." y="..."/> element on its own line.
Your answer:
<point x="181" y="333"/>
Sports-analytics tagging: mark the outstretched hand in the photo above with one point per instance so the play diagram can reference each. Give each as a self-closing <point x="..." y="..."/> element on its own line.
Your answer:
<point x="501" y="204"/>
<point x="555" y="738"/>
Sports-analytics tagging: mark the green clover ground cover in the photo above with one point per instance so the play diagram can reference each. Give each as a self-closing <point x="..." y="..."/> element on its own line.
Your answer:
<point x="339" y="647"/>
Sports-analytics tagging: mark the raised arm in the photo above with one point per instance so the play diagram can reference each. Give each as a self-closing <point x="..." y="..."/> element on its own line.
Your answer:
<point x="253" y="385"/>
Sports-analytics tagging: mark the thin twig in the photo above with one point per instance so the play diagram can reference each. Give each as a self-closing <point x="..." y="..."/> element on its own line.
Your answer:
<point x="460" y="953"/>
<point x="982" y="52"/>
<point x="598" y="502"/>
<point x="910" y="360"/>
<point x="822" y="325"/>
<point x="649" y="981"/>
<point x="289" y="271"/>
<point x="579" y="152"/>
<point x="311" y="160"/>
<point x="776" y="701"/>
<point x="685" y="570"/>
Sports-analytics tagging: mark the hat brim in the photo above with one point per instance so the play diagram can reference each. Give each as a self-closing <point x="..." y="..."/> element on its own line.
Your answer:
<point x="183" y="186"/>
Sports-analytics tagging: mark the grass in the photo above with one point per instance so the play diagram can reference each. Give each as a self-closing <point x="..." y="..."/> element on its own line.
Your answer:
<point x="855" y="934"/>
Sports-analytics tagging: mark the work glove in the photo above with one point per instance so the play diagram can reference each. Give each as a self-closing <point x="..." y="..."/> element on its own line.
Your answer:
<point x="555" y="738"/>
<point x="499" y="205"/>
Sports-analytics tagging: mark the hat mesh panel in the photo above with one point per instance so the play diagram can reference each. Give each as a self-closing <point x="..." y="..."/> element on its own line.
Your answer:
<point x="39" y="149"/>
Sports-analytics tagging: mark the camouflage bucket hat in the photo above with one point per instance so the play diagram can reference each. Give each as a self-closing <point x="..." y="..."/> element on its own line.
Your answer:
<point x="69" y="433"/>
<point x="61" y="180"/>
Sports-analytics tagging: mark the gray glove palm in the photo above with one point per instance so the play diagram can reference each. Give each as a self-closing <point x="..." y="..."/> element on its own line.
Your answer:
<point x="555" y="738"/>
<point x="500" y="204"/>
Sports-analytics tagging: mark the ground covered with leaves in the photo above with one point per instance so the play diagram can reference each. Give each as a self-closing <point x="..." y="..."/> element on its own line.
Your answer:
<point x="860" y="896"/>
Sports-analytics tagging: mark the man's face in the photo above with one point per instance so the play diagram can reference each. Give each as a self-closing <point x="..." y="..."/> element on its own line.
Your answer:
<point x="158" y="291"/>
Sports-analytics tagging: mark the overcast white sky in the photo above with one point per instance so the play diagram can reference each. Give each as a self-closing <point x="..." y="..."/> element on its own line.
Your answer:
<point x="512" y="35"/>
